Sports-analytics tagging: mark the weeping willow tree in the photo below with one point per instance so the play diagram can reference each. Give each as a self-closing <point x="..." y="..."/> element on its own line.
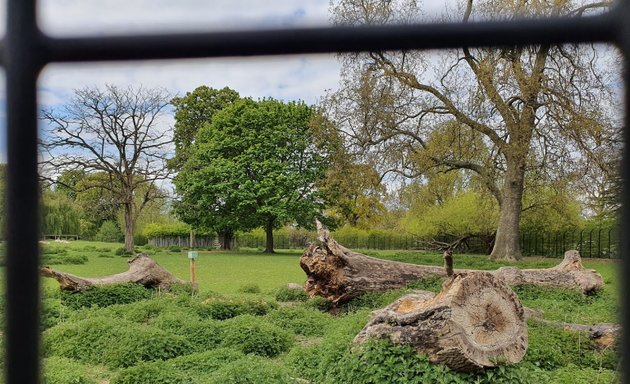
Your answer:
<point x="60" y="215"/>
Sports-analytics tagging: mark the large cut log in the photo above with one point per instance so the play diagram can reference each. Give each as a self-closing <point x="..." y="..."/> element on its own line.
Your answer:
<point x="339" y="274"/>
<point x="475" y="322"/>
<point x="142" y="270"/>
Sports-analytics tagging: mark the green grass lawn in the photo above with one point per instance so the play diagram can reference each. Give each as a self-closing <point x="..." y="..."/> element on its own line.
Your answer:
<point x="217" y="271"/>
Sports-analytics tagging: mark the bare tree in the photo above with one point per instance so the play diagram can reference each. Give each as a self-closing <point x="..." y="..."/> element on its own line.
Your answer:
<point x="496" y="113"/>
<point x="114" y="132"/>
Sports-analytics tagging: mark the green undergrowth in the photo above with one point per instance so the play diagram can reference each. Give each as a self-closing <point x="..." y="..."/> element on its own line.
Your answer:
<point x="259" y="333"/>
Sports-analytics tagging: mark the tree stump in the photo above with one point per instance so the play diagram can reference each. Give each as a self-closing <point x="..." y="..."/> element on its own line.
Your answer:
<point x="475" y="322"/>
<point x="142" y="270"/>
<point x="339" y="274"/>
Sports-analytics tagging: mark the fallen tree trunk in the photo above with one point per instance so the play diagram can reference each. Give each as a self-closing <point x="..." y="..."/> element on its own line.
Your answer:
<point x="142" y="270"/>
<point x="339" y="274"/>
<point x="603" y="335"/>
<point x="475" y="322"/>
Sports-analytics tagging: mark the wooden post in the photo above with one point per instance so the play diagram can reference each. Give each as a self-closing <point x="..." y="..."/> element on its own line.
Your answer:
<point x="192" y="271"/>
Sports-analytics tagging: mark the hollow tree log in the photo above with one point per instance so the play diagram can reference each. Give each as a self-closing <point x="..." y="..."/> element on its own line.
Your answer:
<point x="475" y="322"/>
<point x="339" y="274"/>
<point x="142" y="270"/>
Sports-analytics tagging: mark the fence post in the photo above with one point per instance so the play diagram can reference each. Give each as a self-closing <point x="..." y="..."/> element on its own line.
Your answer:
<point x="590" y="243"/>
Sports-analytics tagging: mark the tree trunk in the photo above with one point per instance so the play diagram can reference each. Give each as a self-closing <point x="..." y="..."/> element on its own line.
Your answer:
<point x="129" y="227"/>
<point x="226" y="238"/>
<point x="142" y="270"/>
<point x="339" y="274"/>
<point x="507" y="242"/>
<point x="269" y="235"/>
<point x="191" y="240"/>
<point x="475" y="322"/>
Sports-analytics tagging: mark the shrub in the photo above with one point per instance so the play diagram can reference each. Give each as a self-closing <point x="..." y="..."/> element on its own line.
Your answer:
<point x="202" y="335"/>
<point x="250" y="334"/>
<point x="109" y="232"/>
<point x="220" y="308"/>
<point x="250" y="370"/>
<point x="140" y="239"/>
<point x="52" y="313"/>
<point x="144" y="344"/>
<point x="378" y="361"/>
<point x="59" y="370"/>
<point x="195" y="368"/>
<point x="431" y="283"/>
<point x="51" y="250"/>
<point x="106" y="295"/>
<point x="290" y="294"/>
<point x="319" y="303"/>
<point x="175" y="249"/>
<point x="150" y="373"/>
<point x="122" y="252"/>
<point x="249" y="288"/>
<point x="203" y="362"/>
<point x="63" y="259"/>
<point x="301" y="321"/>
<point x="85" y="340"/>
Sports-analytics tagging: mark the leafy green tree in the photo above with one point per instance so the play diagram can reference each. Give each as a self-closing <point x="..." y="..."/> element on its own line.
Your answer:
<point x="60" y="215"/>
<point x="192" y="112"/>
<point x="534" y="107"/>
<point x="255" y="164"/>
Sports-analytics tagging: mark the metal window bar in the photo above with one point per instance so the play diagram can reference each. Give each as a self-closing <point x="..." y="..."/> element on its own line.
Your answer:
<point x="25" y="50"/>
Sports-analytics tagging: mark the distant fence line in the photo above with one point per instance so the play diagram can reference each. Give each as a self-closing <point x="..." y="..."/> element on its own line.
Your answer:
<point x="183" y="241"/>
<point x="593" y="243"/>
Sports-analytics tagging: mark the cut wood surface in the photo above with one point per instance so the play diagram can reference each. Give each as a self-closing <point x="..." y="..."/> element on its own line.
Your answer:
<point x="475" y="322"/>
<point x="339" y="274"/>
<point x="142" y="270"/>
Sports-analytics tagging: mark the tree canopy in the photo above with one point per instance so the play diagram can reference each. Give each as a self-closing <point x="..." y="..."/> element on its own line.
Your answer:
<point x="254" y="164"/>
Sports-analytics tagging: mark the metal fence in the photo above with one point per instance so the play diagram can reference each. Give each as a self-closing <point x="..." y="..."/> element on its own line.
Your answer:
<point x="593" y="243"/>
<point x="596" y="242"/>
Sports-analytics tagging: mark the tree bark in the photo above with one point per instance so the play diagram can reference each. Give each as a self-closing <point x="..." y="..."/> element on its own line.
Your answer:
<point x="339" y="274"/>
<point x="475" y="322"/>
<point x="142" y="270"/>
<point x="129" y="226"/>
<point x="269" y="235"/>
<point x="507" y="242"/>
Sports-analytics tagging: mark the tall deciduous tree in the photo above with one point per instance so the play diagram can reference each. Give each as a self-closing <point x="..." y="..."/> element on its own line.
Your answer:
<point x="114" y="131"/>
<point x="193" y="111"/>
<point x="515" y="108"/>
<point x="254" y="165"/>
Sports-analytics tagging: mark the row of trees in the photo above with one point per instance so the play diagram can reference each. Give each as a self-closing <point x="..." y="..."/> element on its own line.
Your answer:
<point x="468" y="141"/>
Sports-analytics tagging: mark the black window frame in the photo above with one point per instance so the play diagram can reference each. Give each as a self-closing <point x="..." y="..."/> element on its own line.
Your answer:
<point x="25" y="50"/>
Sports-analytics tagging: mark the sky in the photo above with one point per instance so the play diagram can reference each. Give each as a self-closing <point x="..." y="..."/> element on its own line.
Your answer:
<point x="299" y="77"/>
